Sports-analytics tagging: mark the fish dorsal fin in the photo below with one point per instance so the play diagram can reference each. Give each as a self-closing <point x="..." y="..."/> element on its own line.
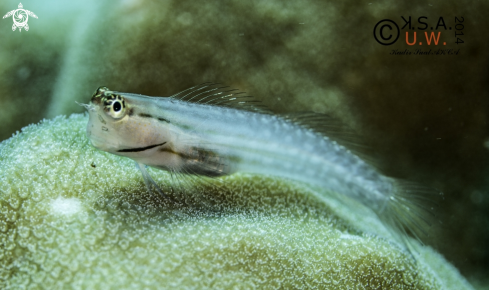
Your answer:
<point x="215" y="94"/>
<point x="337" y="131"/>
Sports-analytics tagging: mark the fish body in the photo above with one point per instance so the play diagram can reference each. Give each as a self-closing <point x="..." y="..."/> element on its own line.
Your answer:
<point x="198" y="138"/>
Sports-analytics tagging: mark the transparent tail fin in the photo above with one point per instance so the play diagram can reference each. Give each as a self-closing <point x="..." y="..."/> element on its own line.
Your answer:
<point x="410" y="211"/>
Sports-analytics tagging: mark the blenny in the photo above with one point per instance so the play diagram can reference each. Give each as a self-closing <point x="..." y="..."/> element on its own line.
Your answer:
<point x="210" y="131"/>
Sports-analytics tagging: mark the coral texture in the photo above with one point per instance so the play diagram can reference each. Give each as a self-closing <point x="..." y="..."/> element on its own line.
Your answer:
<point x="74" y="216"/>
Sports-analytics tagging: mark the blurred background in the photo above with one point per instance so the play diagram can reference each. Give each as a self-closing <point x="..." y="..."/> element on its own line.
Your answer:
<point x="425" y="115"/>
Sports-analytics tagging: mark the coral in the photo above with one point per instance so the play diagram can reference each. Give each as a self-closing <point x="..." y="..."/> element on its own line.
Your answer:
<point x="74" y="216"/>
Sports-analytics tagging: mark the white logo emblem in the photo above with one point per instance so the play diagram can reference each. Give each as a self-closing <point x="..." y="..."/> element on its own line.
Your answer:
<point x="20" y="17"/>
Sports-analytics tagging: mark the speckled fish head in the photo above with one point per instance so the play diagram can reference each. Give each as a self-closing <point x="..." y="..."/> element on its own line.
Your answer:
<point x="123" y="124"/>
<point x="107" y="113"/>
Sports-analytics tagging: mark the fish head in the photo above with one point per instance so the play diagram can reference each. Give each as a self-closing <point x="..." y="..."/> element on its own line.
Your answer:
<point x="107" y="113"/>
<point x="120" y="123"/>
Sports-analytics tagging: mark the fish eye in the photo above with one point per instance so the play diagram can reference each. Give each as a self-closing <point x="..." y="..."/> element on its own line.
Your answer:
<point x="116" y="106"/>
<point x="117" y="109"/>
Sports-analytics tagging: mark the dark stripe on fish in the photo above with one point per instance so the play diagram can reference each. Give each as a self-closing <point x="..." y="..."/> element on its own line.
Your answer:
<point x="143" y="115"/>
<point x="163" y="120"/>
<point x="141" y="148"/>
<point x="198" y="161"/>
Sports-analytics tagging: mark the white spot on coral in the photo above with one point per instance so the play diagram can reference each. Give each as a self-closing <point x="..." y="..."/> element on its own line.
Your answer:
<point x="66" y="206"/>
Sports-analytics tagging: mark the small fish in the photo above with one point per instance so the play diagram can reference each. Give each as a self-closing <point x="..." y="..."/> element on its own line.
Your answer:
<point x="211" y="131"/>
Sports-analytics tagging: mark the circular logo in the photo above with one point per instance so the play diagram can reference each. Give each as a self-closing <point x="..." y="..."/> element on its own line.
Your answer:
<point x="20" y="17"/>
<point x="383" y="32"/>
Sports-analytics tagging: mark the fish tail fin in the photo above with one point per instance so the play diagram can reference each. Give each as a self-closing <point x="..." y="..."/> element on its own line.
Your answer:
<point x="410" y="211"/>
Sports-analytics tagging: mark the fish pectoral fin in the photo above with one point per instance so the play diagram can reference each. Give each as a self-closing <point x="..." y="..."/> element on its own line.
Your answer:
<point x="148" y="180"/>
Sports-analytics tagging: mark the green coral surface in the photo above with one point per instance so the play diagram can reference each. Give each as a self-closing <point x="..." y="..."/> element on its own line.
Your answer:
<point x="75" y="217"/>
